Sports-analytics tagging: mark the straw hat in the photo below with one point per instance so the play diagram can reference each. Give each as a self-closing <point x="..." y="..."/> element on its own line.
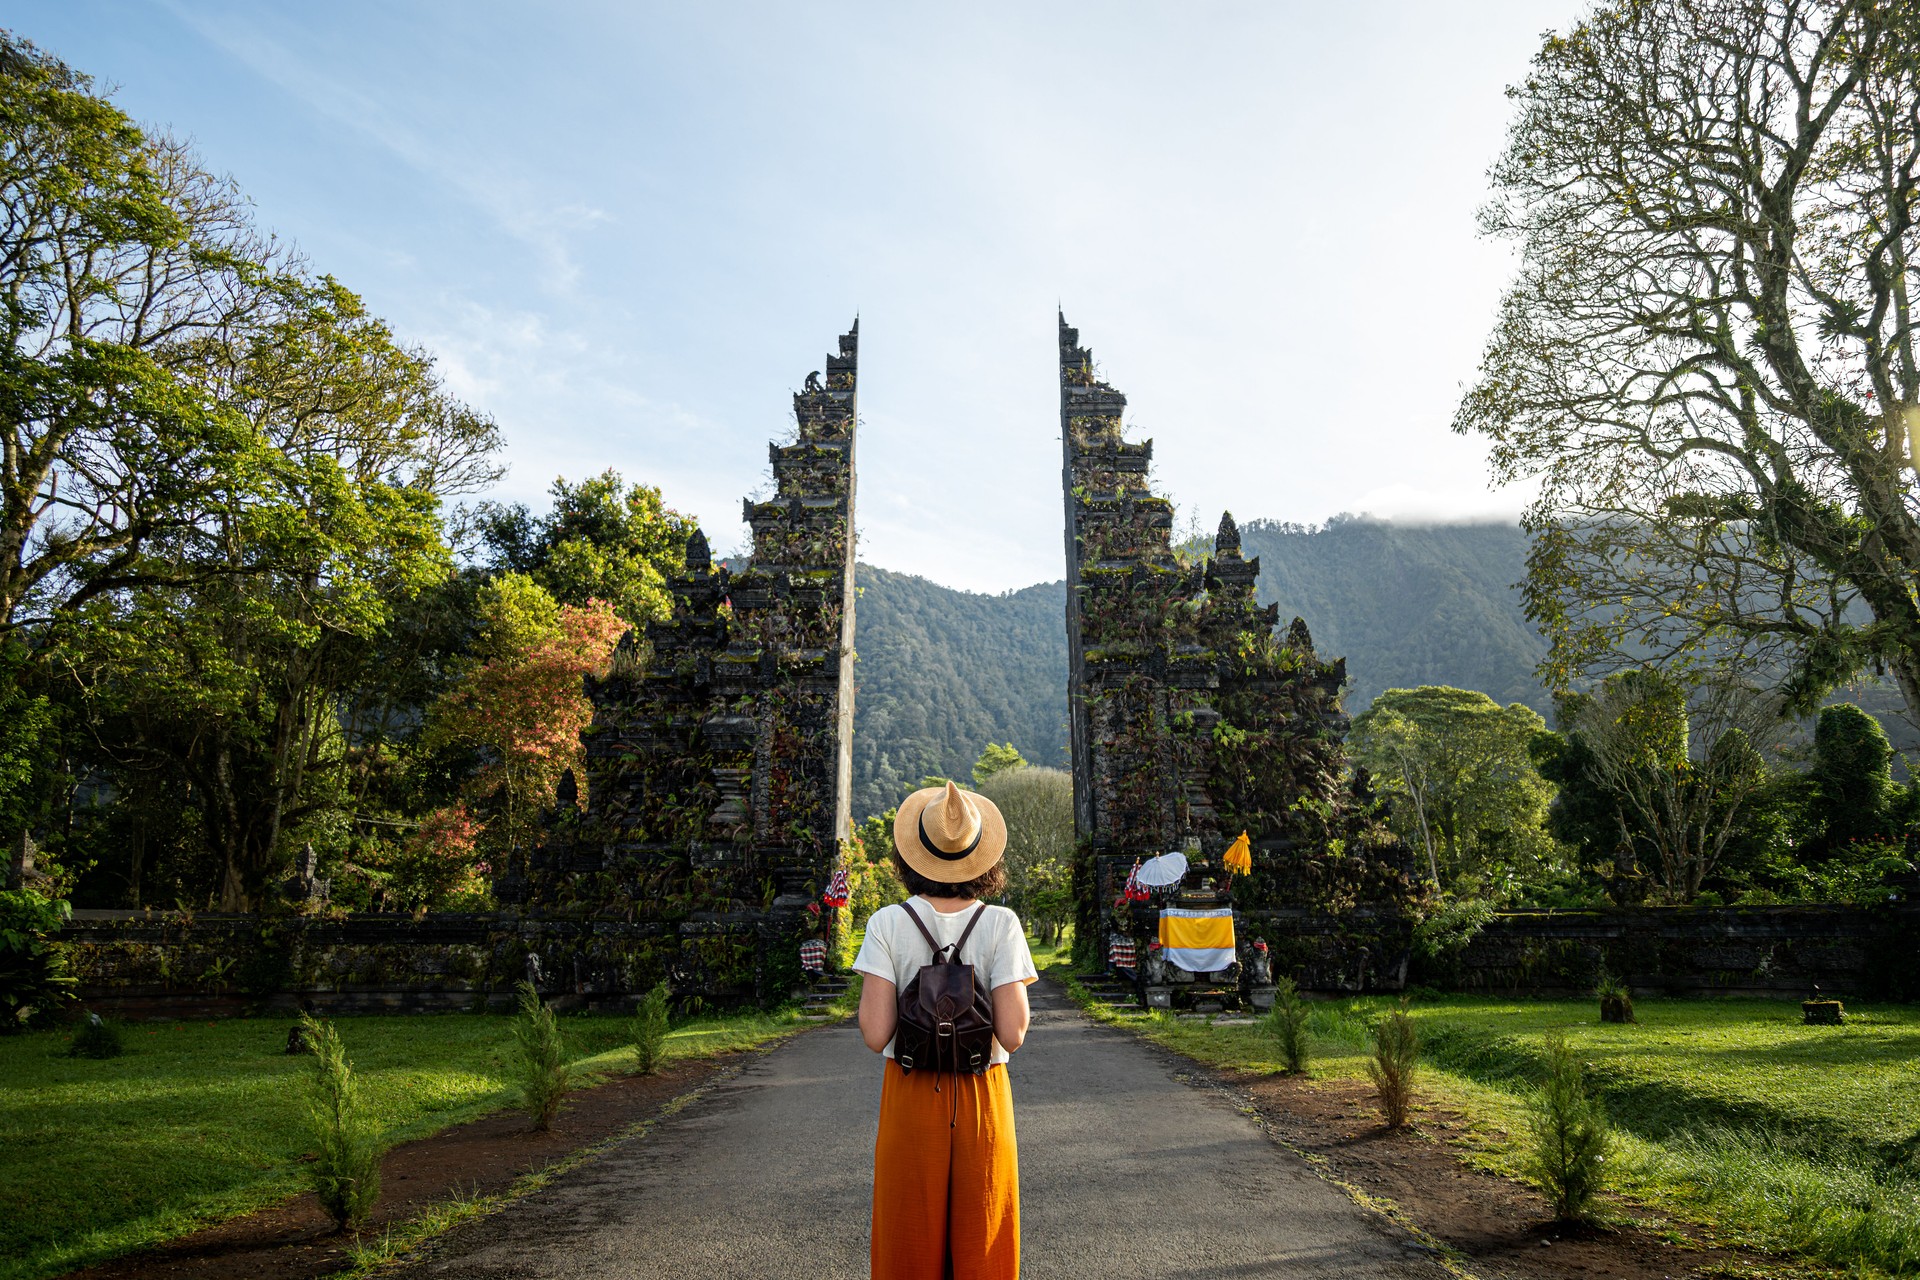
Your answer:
<point x="948" y="835"/>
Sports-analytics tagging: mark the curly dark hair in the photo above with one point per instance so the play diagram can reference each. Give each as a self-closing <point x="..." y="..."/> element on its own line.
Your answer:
<point x="990" y="883"/>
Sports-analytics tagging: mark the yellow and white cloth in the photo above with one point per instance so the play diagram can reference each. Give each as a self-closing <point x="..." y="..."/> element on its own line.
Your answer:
<point x="1199" y="941"/>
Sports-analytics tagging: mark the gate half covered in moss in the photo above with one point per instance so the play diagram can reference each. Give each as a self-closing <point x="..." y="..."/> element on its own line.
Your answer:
<point x="719" y="760"/>
<point x="1192" y="721"/>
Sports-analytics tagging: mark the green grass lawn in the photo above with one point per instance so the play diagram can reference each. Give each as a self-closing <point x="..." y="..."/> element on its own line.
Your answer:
<point x="1730" y="1112"/>
<point x="200" y="1121"/>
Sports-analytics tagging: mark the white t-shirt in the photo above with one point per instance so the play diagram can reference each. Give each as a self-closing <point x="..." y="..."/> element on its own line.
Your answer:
<point x="997" y="950"/>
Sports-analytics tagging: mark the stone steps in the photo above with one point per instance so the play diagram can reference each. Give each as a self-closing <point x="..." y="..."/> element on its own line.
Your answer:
<point x="1109" y="994"/>
<point x="816" y="1001"/>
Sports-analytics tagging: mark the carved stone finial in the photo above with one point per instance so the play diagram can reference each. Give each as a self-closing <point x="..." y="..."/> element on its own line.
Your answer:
<point x="699" y="554"/>
<point x="1227" y="541"/>
<point x="813" y="382"/>
<point x="567" y="790"/>
<point x="1298" y="638"/>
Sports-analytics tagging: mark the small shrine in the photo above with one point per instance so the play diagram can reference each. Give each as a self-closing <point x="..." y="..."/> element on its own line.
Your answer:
<point x="1193" y="723"/>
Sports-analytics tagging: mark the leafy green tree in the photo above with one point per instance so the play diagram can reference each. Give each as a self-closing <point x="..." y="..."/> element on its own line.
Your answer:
<point x="602" y="540"/>
<point x="1852" y="777"/>
<point x="1707" y="361"/>
<point x="1464" y="785"/>
<point x="1038" y="807"/>
<point x="996" y="758"/>
<point x="1582" y="814"/>
<point x="124" y="265"/>
<point x="26" y="740"/>
<point x="520" y="698"/>
<point x="293" y="570"/>
<point x="871" y="878"/>
<point x="34" y="977"/>
<point x="1682" y="770"/>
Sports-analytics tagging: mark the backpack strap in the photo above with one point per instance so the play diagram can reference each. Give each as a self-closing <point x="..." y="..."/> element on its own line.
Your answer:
<point x="924" y="931"/>
<point x="968" y="931"/>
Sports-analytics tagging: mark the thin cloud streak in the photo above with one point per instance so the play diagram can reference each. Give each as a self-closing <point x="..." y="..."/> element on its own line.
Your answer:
<point x="628" y="231"/>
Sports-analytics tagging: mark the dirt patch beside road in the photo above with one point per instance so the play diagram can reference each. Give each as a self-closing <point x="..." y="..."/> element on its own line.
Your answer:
<point x="1503" y="1229"/>
<point x="296" y="1241"/>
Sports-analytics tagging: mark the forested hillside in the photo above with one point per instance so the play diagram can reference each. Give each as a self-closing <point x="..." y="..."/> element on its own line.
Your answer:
<point x="1407" y="605"/>
<point x="944" y="672"/>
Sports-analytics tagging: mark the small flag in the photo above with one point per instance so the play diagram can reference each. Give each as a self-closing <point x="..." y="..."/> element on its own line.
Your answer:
<point x="1239" y="856"/>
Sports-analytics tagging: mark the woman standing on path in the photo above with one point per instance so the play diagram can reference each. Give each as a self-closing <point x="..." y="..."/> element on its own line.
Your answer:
<point x="946" y="1175"/>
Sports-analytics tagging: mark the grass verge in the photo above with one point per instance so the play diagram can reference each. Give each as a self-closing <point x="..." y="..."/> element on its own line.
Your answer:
<point x="399" y="1243"/>
<point x="199" y="1122"/>
<point x="1730" y="1113"/>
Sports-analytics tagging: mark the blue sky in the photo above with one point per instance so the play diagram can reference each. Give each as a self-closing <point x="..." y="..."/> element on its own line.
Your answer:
<point x="628" y="231"/>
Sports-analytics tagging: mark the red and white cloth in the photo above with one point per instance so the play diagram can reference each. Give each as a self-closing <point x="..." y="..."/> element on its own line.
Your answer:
<point x="1135" y="891"/>
<point x="1122" y="955"/>
<point x="813" y="957"/>
<point x="838" y="891"/>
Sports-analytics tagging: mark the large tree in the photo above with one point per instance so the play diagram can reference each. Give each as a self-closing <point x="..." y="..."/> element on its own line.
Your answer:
<point x="1707" y="361"/>
<point x="520" y="698"/>
<point x="294" y="566"/>
<point x="603" y="539"/>
<point x="1463" y="786"/>
<point x="1680" y="768"/>
<point x="123" y="265"/>
<point x="1038" y="807"/>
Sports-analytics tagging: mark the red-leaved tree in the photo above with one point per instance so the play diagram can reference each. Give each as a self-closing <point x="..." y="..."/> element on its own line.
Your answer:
<point x="520" y="699"/>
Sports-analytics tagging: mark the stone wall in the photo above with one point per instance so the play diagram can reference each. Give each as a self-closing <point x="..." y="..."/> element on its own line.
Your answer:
<point x="167" y="965"/>
<point x="1771" y="951"/>
<point x="170" y="965"/>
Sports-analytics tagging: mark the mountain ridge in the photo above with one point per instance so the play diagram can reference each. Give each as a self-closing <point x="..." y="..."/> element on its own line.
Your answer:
<point x="941" y="672"/>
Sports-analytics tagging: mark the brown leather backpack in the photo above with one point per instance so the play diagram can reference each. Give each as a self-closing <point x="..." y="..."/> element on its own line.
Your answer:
<point x="946" y="1013"/>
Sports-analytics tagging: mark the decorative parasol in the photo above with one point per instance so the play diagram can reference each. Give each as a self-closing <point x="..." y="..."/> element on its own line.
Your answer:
<point x="1239" y="857"/>
<point x="1163" y="871"/>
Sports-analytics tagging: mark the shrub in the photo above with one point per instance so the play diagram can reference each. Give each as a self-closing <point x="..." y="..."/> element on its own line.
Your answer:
<point x="1287" y="1023"/>
<point x="1568" y="1135"/>
<point x="33" y="966"/>
<point x="1451" y="926"/>
<point x="1616" y="998"/>
<point x="346" y="1169"/>
<point x="650" y="1030"/>
<point x="96" y="1039"/>
<point x="1396" y="1050"/>
<point x="541" y="1059"/>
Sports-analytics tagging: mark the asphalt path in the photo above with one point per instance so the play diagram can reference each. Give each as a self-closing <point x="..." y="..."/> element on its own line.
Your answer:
<point x="1127" y="1171"/>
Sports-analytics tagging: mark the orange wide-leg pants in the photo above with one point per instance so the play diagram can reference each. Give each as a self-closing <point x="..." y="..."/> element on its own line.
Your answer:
<point x="946" y="1178"/>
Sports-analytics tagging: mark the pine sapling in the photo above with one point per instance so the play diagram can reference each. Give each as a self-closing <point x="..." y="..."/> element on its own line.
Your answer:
<point x="540" y="1059"/>
<point x="1287" y="1024"/>
<point x="1569" y="1135"/>
<point x="346" y="1168"/>
<point x="650" y="1030"/>
<point x="1396" y="1051"/>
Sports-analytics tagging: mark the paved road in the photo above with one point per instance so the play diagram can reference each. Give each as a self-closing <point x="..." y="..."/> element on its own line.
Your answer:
<point x="1126" y="1173"/>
